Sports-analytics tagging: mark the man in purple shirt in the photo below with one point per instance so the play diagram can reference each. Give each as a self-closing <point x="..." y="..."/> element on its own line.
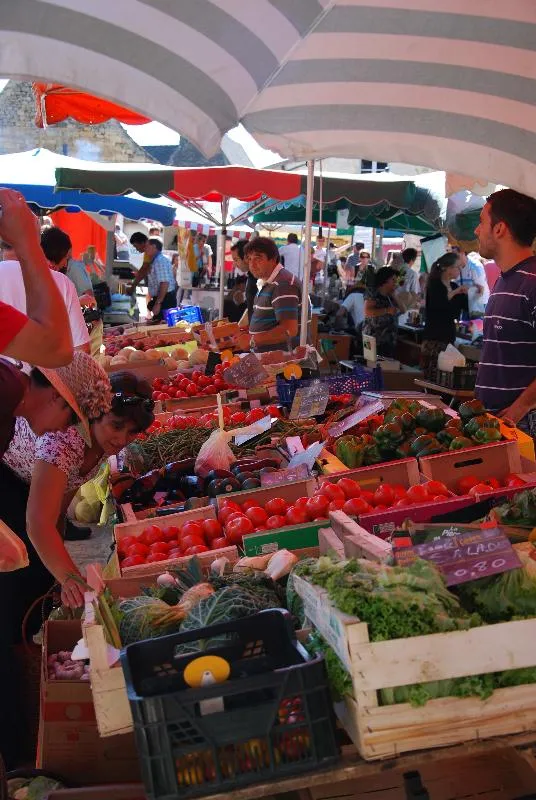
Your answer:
<point x="506" y="381"/>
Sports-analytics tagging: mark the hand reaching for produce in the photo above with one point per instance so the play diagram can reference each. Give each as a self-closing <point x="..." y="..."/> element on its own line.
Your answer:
<point x="72" y="594"/>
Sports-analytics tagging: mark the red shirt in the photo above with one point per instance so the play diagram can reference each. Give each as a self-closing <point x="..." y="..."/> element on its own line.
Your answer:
<point x="12" y="322"/>
<point x="11" y="392"/>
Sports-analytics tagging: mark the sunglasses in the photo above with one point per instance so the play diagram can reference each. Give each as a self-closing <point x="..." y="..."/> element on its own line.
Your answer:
<point x="120" y="400"/>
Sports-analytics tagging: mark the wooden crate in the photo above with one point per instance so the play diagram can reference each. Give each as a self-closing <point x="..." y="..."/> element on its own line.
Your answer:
<point x="386" y="731"/>
<point x="225" y="336"/>
<point x="405" y="472"/>
<point x="113" y="569"/>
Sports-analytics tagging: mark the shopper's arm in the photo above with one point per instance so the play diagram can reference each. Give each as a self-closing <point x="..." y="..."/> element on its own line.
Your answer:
<point x="279" y="334"/>
<point x="521" y="407"/>
<point x="45" y="340"/>
<point x="162" y="291"/>
<point x="42" y="514"/>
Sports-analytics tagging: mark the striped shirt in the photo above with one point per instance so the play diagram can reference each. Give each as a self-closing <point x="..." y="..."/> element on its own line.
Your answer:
<point x="508" y="361"/>
<point x="161" y="272"/>
<point x="279" y="299"/>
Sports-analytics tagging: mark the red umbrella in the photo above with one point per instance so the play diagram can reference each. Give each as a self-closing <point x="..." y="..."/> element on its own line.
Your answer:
<point x="54" y="103"/>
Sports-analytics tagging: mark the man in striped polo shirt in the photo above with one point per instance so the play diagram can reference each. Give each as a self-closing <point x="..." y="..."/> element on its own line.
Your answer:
<point x="276" y="309"/>
<point x="506" y="381"/>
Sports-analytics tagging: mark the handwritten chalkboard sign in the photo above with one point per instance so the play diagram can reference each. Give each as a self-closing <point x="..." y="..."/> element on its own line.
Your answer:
<point x="246" y="373"/>
<point x="310" y="401"/>
<point x="282" y="476"/>
<point x="463" y="557"/>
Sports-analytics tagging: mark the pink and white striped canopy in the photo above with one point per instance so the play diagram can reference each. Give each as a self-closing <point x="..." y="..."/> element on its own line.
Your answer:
<point x="449" y="84"/>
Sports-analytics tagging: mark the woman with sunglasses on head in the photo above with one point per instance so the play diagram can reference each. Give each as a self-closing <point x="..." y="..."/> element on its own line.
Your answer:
<point x="38" y="479"/>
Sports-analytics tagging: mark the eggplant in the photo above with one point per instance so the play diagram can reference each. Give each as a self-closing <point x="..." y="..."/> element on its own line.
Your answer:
<point x="243" y="476"/>
<point x="183" y="467"/>
<point x="212" y="487"/>
<point x="145" y="485"/>
<point x="226" y="485"/>
<point x="191" y="485"/>
<point x="216" y="474"/>
<point x="251" y="483"/>
<point x="261" y="463"/>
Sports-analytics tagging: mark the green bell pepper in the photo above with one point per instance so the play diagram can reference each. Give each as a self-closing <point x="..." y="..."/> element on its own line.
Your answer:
<point x="433" y="419"/>
<point x="487" y="435"/>
<point x="460" y="442"/>
<point x="421" y="442"/>
<point x="350" y="450"/>
<point x="472" y="408"/>
<point x="389" y="436"/>
<point x="372" y="455"/>
<point x="483" y="421"/>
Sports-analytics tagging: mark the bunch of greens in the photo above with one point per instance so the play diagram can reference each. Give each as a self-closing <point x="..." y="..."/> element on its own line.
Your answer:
<point x="339" y="680"/>
<point x="520" y="510"/>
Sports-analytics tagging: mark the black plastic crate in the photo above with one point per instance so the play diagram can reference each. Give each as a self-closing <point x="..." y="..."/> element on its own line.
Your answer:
<point x="272" y="718"/>
<point x="459" y="378"/>
<point x="360" y="380"/>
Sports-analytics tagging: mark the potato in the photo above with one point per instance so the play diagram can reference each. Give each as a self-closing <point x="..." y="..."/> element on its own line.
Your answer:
<point x="154" y="355"/>
<point x="137" y="355"/>
<point x="179" y="353"/>
<point x="170" y="364"/>
<point x="118" y="361"/>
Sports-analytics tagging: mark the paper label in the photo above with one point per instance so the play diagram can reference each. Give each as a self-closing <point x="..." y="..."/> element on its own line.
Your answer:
<point x="246" y="373"/>
<point x="308" y="456"/>
<point x="310" y="401"/>
<point x="367" y="410"/>
<point x="284" y="476"/>
<point x="462" y="557"/>
<point x="262" y="425"/>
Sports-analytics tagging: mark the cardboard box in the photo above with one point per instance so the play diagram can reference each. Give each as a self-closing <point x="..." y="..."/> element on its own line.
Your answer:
<point x="69" y="744"/>
<point x="404" y="471"/>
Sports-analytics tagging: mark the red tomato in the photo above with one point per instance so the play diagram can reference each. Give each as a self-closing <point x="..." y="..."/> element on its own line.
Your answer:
<point x="381" y="507"/>
<point x="479" y="488"/>
<point x="355" y="506"/>
<point x="273" y="411"/>
<point x="276" y="521"/>
<point x="257" y="515"/>
<point x="512" y="481"/>
<point x="138" y="549"/>
<point x="172" y="391"/>
<point x="418" y="494"/>
<point x="192" y="529"/>
<point x="435" y="488"/>
<point x="217" y="544"/>
<point x="332" y="491"/>
<point x="126" y="542"/>
<point x="439" y="498"/>
<point x="212" y="529"/>
<point x="466" y="483"/>
<point x="191" y="541"/>
<point x="132" y="561"/>
<point x="159" y="547"/>
<point x="399" y="491"/>
<point x="156" y="396"/>
<point x="154" y="557"/>
<point x="158" y="383"/>
<point x="250" y="504"/>
<point x="350" y="488"/>
<point x="254" y="415"/>
<point x="152" y="535"/>
<point x="402" y="503"/>
<point x="238" y="418"/>
<point x="336" y="505"/>
<point x="225" y="513"/>
<point x="493" y="482"/>
<point x="317" y="506"/>
<point x="234" y="515"/>
<point x="191" y="389"/>
<point x="367" y="496"/>
<point x="171" y="534"/>
<point x="296" y="515"/>
<point x="237" y="528"/>
<point x="198" y="548"/>
<point x="301" y="501"/>
<point x="196" y="375"/>
<point x="176" y="552"/>
<point x="181" y="394"/>
<point x="384" y="495"/>
<point x="276" y="506"/>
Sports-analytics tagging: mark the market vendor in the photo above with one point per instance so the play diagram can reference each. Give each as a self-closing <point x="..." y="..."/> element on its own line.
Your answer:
<point x="38" y="480"/>
<point x="506" y="380"/>
<point x="276" y="310"/>
<point x="238" y="253"/>
<point x="382" y="312"/>
<point x="443" y="304"/>
<point x="160" y="281"/>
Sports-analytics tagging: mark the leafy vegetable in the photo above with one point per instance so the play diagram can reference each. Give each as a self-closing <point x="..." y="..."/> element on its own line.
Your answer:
<point x="339" y="680"/>
<point x="141" y="619"/>
<point x="267" y="590"/>
<point x="520" y="510"/>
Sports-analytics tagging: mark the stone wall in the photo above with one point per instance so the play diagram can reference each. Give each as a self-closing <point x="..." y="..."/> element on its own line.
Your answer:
<point x="18" y="132"/>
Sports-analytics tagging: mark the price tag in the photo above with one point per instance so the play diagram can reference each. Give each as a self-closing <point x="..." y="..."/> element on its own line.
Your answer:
<point x="308" y="456"/>
<point x="463" y="557"/>
<point x="358" y="416"/>
<point x="310" y="401"/>
<point x="261" y="426"/>
<point x="282" y="476"/>
<point x="246" y="373"/>
<point x="212" y="361"/>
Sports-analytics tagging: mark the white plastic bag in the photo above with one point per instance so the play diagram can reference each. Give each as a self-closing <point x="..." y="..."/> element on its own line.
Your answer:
<point x="450" y="358"/>
<point x="216" y="453"/>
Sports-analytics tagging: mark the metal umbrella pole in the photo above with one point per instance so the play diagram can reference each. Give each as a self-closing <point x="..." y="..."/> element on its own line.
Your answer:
<point x="307" y="253"/>
<point x="221" y="251"/>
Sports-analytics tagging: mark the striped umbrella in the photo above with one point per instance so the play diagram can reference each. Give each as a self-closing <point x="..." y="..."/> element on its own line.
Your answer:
<point x="443" y="83"/>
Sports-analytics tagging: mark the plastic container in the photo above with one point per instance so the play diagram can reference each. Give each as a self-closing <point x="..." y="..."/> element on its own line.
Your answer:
<point x="360" y="380"/>
<point x="191" y="314"/>
<point x="459" y="378"/>
<point x="272" y="718"/>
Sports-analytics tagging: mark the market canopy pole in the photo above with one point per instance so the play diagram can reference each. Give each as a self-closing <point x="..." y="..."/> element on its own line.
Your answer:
<point x="221" y="251"/>
<point x="307" y="253"/>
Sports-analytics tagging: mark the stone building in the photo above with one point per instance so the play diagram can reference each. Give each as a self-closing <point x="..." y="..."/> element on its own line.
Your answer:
<point x="18" y="132"/>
